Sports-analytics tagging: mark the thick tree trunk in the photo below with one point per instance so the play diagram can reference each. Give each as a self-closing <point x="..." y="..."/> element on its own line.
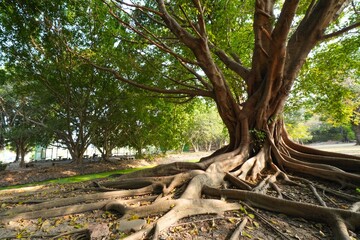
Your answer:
<point x="356" y="129"/>
<point x="77" y="155"/>
<point x="23" y="151"/>
<point x="17" y="156"/>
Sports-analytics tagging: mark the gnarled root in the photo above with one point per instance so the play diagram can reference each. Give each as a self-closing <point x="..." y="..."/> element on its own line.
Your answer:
<point x="340" y="219"/>
<point x="176" y="191"/>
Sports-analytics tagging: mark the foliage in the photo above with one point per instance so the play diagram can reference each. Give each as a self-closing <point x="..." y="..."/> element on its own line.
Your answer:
<point x="329" y="85"/>
<point x="205" y="129"/>
<point x="258" y="136"/>
<point x="76" y="102"/>
<point x="327" y="132"/>
<point x="148" y="121"/>
<point x="19" y="132"/>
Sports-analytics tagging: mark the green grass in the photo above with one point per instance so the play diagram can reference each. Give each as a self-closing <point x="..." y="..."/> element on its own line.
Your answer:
<point x="74" y="179"/>
<point x="80" y="178"/>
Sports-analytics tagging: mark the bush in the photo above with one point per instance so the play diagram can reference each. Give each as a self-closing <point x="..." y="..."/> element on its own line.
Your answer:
<point x="326" y="132"/>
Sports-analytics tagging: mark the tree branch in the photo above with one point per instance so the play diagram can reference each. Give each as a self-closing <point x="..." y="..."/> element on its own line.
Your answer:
<point x="233" y="65"/>
<point x="338" y="33"/>
<point x="189" y="92"/>
<point x="282" y="26"/>
<point x="176" y="29"/>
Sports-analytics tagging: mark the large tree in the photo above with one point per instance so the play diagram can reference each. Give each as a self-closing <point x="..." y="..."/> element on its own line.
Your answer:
<point x="245" y="57"/>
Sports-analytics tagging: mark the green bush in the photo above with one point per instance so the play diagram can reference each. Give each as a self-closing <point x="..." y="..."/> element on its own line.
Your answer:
<point x="326" y="132"/>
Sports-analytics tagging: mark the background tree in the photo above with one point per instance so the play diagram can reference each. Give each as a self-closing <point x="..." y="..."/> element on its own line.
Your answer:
<point x="34" y="40"/>
<point x="329" y="86"/>
<point x="206" y="129"/>
<point x="152" y="122"/>
<point x="19" y="133"/>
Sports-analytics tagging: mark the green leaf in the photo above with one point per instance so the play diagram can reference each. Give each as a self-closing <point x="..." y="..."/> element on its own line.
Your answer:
<point x="78" y="226"/>
<point x="245" y="234"/>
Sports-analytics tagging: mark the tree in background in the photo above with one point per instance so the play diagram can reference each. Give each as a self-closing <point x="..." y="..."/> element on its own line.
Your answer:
<point x="329" y="86"/>
<point x="152" y="122"/>
<point x="18" y="131"/>
<point x="63" y="88"/>
<point x="206" y="129"/>
<point x="296" y="124"/>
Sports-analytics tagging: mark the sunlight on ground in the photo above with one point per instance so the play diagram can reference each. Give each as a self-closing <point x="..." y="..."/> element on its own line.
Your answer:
<point x="69" y="173"/>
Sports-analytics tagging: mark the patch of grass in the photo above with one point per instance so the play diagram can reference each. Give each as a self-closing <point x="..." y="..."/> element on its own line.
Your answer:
<point x="80" y="178"/>
<point x="74" y="179"/>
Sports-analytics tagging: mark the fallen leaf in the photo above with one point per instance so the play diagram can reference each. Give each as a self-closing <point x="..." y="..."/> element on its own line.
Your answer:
<point x="245" y="234"/>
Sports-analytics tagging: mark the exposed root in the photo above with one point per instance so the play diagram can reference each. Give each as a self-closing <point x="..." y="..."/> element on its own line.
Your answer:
<point x="175" y="191"/>
<point x="329" y="190"/>
<point x="252" y="167"/>
<point x="238" y="182"/>
<point x="77" y="234"/>
<point x="325" y="171"/>
<point x="344" y="218"/>
<point x="355" y="207"/>
<point x="321" y="201"/>
<point x="264" y="220"/>
<point x="61" y="211"/>
<point x="239" y="229"/>
<point x="76" y="200"/>
<point x="176" y="210"/>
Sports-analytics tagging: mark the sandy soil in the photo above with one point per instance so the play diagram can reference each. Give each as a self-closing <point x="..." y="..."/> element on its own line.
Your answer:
<point x="348" y="148"/>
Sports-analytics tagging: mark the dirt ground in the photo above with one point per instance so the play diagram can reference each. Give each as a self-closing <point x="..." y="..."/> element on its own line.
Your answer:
<point x="41" y="171"/>
<point x="262" y="225"/>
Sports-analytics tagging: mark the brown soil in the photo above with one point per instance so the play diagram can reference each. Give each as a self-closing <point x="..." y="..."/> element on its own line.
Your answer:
<point x="42" y="171"/>
<point x="105" y="225"/>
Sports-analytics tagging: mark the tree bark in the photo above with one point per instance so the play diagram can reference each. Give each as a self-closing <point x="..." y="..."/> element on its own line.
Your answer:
<point x="356" y="129"/>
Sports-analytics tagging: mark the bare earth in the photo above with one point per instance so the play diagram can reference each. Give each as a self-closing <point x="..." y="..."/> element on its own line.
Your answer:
<point x="107" y="225"/>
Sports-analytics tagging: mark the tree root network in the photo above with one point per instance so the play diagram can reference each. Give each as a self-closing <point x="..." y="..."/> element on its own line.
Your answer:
<point x="179" y="190"/>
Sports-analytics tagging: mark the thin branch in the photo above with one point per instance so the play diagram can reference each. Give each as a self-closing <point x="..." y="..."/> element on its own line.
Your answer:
<point x="174" y="26"/>
<point x="150" y="88"/>
<point x="309" y="9"/>
<point x="157" y="42"/>
<point x="136" y="6"/>
<point x="354" y="7"/>
<point x="190" y="22"/>
<point x="340" y="32"/>
<point x="201" y="21"/>
<point x="161" y="45"/>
